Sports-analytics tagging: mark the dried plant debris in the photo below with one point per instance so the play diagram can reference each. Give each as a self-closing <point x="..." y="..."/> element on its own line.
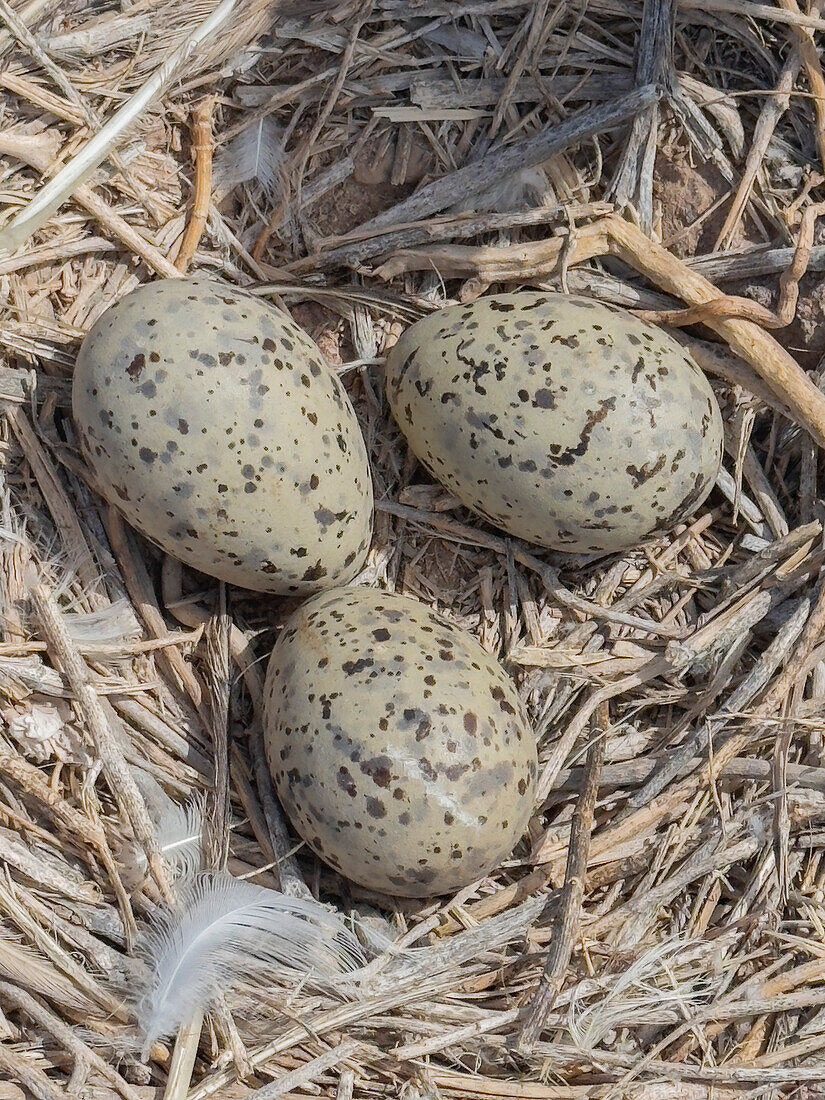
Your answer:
<point x="659" y="929"/>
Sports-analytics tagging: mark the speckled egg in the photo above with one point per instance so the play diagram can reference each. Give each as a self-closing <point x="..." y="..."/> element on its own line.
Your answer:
<point x="215" y="426"/>
<point x="561" y="420"/>
<point x="399" y="748"/>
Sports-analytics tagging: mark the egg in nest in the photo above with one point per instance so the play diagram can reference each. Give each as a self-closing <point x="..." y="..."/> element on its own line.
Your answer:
<point x="215" y="426"/>
<point x="399" y="748"/>
<point x="565" y="422"/>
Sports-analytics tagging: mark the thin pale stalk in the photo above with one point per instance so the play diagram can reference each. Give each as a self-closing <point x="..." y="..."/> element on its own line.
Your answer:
<point x="94" y="152"/>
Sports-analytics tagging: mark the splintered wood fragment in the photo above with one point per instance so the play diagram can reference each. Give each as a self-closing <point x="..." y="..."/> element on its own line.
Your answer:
<point x="749" y="9"/>
<point x="507" y="896"/>
<point x="465" y="183"/>
<point x="183" y="1058"/>
<point x="633" y="180"/>
<point x="218" y="673"/>
<point x="435" y="93"/>
<point x="570" y="903"/>
<point x="634" y="773"/>
<point x="27" y="15"/>
<point x="134" y="241"/>
<point x="202" y="191"/>
<point x="141" y="592"/>
<point x="17" y="1066"/>
<point x="119" y="777"/>
<point x="298" y="1079"/>
<point x="193" y="616"/>
<point x="41" y="97"/>
<point x="501" y="263"/>
<point x="346" y="1085"/>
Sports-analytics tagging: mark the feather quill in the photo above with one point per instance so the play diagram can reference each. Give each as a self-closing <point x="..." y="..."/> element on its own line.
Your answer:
<point x="179" y="833"/>
<point x="256" y="154"/>
<point x="229" y="931"/>
<point x="178" y="828"/>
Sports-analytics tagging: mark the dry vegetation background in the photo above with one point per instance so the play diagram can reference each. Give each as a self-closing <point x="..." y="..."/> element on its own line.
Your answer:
<point x="661" y="931"/>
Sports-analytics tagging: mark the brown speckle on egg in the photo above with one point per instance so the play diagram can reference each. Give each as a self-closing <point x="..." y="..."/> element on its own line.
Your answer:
<point x="399" y="795"/>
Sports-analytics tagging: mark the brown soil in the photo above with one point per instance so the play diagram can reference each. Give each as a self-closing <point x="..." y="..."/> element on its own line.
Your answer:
<point x="327" y="330"/>
<point x="686" y="191"/>
<point x="369" y="189"/>
<point x="804" y="338"/>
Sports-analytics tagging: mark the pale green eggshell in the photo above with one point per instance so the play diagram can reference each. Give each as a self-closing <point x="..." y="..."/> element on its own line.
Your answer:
<point x="399" y="748"/>
<point x="563" y="421"/>
<point x="215" y="426"/>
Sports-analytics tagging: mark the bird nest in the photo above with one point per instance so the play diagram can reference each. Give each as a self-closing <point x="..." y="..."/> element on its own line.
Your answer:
<point x="659" y="930"/>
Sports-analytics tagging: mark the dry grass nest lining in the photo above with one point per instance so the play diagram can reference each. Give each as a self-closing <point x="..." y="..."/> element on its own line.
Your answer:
<point x="665" y="915"/>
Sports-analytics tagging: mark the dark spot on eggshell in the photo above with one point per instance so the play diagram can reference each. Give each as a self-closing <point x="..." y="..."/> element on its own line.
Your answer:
<point x="401" y="793"/>
<point x="135" y="368"/>
<point x="586" y="399"/>
<point x="266" y="463"/>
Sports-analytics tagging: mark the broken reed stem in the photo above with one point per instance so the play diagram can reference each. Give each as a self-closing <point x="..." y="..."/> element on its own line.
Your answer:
<point x="193" y="616"/>
<point x="27" y="14"/>
<point x="807" y="50"/>
<point x="18" y="1067"/>
<point x="566" y="926"/>
<point x="68" y="182"/>
<point x="60" y="506"/>
<point x="215" y="838"/>
<point x="202" y="147"/>
<point x="218" y="674"/>
<point x="67" y="1037"/>
<point x="633" y="179"/>
<point x="31" y="45"/>
<point x="118" y="776"/>
<point x="244" y="657"/>
<point x="30" y="779"/>
<point x="183" y="1057"/>
<point x="23" y="147"/>
<point x="142" y="594"/>
<point x="773" y="108"/>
